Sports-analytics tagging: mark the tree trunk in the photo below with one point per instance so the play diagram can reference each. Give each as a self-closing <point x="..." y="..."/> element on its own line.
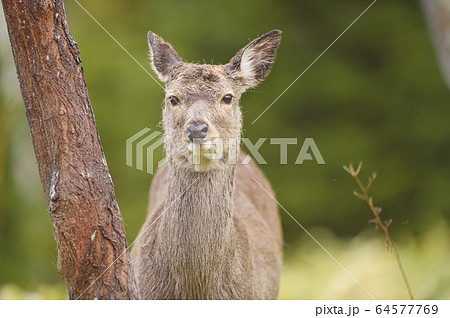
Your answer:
<point x="437" y="13"/>
<point x="89" y="232"/>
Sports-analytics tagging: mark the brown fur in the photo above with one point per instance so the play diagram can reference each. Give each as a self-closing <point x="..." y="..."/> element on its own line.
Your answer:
<point x="211" y="231"/>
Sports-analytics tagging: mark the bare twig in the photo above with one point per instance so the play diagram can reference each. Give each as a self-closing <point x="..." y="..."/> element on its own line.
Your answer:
<point x="383" y="225"/>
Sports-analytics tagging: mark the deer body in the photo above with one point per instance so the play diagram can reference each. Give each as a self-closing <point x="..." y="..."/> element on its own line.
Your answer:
<point x="212" y="231"/>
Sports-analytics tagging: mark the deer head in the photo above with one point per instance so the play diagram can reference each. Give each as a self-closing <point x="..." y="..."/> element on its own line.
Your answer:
<point x="202" y="116"/>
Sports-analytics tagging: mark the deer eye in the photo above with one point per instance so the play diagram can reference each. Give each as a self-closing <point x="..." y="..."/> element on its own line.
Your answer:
<point x="227" y="99"/>
<point x="174" y="100"/>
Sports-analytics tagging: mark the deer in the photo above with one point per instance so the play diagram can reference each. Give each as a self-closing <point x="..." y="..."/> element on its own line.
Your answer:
<point x="212" y="230"/>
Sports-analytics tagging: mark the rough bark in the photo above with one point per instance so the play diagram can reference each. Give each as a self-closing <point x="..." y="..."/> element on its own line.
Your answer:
<point x="437" y="13"/>
<point x="89" y="232"/>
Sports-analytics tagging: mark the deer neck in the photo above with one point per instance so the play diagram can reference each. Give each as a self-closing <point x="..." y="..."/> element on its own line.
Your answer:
<point x="197" y="227"/>
<point x="200" y="204"/>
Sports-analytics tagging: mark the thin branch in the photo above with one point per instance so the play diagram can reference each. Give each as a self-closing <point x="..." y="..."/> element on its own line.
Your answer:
<point x="383" y="225"/>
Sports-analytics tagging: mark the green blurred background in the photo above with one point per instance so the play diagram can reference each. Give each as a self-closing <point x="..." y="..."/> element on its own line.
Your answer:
<point x="377" y="96"/>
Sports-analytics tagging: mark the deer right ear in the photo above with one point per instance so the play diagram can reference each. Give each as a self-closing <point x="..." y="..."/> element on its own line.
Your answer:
<point x="162" y="55"/>
<point x="252" y="63"/>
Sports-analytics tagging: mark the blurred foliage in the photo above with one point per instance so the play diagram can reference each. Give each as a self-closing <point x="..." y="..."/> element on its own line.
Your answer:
<point x="375" y="96"/>
<point x="45" y="292"/>
<point x="309" y="273"/>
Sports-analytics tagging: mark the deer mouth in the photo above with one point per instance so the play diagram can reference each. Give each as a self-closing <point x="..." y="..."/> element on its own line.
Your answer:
<point x="203" y="145"/>
<point x="204" y="154"/>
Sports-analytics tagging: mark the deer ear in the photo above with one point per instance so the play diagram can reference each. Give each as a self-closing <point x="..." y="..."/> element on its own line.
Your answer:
<point x="252" y="63"/>
<point x="163" y="56"/>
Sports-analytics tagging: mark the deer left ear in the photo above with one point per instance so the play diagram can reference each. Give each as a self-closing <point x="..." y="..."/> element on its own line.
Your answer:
<point x="252" y="63"/>
<point x="162" y="55"/>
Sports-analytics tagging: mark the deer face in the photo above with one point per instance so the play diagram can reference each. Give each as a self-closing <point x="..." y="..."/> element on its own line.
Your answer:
<point x="202" y="117"/>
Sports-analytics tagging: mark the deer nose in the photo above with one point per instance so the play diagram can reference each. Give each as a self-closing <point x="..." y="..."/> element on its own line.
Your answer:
<point x="197" y="130"/>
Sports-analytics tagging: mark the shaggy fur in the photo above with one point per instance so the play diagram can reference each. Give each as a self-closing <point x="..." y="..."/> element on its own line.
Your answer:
<point x="211" y="231"/>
